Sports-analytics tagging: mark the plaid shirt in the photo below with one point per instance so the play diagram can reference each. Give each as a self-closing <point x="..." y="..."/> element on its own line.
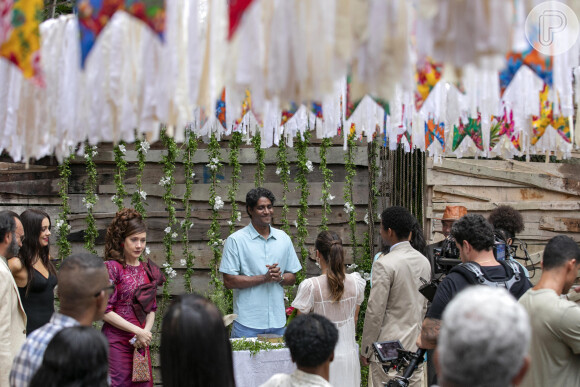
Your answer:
<point x="30" y="356"/>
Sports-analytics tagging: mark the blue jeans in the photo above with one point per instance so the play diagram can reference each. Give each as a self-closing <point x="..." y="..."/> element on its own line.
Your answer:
<point x="239" y="330"/>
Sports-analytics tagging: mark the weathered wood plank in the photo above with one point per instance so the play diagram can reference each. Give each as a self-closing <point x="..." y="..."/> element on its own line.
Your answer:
<point x="437" y="177"/>
<point x="560" y="224"/>
<point x="38" y="187"/>
<point x="520" y="206"/>
<point x="459" y="192"/>
<point x="567" y="185"/>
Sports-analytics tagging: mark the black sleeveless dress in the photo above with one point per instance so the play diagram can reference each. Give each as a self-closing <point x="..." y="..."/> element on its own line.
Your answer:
<point x="39" y="302"/>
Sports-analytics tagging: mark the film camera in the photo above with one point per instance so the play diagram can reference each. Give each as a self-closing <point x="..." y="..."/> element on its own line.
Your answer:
<point x="392" y="355"/>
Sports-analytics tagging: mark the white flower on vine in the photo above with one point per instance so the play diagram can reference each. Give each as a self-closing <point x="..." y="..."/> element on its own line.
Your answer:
<point x="167" y="230"/>
<point x="295" y="224"/>
<point x="174" y="235"/>
<point x="95" y="153"/>
<point x="114" y="198"/>
<point x="89" y="205"/>
<point x="348" y="207"/>
<point x="218" y="203"/>
<point x="143" y="194"/>
<point x="145" y="146"/>
<point x="192" y="175"/>
<point x="278" y="171"/>
<point x="183" y="262"/>
<point x="169" y="270"/>
<point x="147" y="251"/>
<point x="59" y="223"/>
<point x="87" y="156"/>
<point x="230" y="223"/>
<point x="239" y="216"/>
<point x="366" y="276"/>
<point x="165" y="180"/>
<point x="309" y="166"/>
<point x="366" y="218"/>
<point x="182" y="223"/>
<point x="379" y="216"/>
<point x="352" y="266"/>
<point x="122" y="148"/>
<point x="331" y="197"/>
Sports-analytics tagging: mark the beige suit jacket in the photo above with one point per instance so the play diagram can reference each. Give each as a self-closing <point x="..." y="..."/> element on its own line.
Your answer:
<point x="396" y="309"/>
<point x="12" y="321"/>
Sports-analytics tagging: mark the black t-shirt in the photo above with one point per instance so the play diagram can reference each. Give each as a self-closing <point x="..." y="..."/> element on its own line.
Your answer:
<point x="454" y="282"/>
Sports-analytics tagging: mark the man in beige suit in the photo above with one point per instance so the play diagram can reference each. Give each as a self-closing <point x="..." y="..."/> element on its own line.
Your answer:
<point x="395" y="308"/>
<point x="12" y="316"/>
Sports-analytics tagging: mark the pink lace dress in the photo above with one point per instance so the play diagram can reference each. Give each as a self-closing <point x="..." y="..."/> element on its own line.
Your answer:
<point x="126" y="279"/>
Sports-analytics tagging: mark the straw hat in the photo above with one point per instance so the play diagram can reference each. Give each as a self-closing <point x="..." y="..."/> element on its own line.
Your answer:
<point x="453" y="212"/>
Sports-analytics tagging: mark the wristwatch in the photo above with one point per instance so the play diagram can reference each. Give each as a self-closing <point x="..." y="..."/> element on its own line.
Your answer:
<point x="281" y="279"/>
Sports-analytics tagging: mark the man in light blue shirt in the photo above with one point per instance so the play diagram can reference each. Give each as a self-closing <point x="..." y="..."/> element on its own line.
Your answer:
<point x="258" y="261"/>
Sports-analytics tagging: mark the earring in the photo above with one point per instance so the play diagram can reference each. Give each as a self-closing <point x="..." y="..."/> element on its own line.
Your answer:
<point x="317" y="260"/>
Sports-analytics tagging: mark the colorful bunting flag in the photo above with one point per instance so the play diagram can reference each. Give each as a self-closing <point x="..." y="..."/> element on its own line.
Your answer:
<point x="94" y="15"/>
<point x="504" y="126"/>
<point x="538" y="63"/>
<point x="21" y="44"/>
<point x="546" y="118"/>
<point x="434" y="132"/>
<point x="427" y="75"/>
<point x="220" y="109"/>
<point x="236" y="11"/>
<point x="472" y="129"/>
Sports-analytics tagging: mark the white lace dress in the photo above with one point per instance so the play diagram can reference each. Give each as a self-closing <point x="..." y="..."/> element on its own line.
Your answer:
<point x="314" y="297"/>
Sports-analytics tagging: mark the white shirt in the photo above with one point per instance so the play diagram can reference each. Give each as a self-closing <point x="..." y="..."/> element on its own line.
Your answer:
<point x="296" y="379"/>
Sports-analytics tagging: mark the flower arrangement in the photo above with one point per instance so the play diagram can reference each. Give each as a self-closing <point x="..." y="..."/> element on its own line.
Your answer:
<point x="140" y="196"/>
<point x="260" y="155"/>
<point x="90" y="198"/>
<point x="348" y="188"/>
<point x="61" y="225"/>
<point x="168" y="161"/>
<point x="186" y="223"/>
<point x="121" y="163"/>
<point x="302" y="143"/>
<point x="283" y="170"/>
<point x="326" y="183"/>
<point x="235" y="215"/>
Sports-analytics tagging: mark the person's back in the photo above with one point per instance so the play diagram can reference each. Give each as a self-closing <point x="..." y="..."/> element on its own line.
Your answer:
<point x="555" y="344"/>
<point x="555" y="347"/>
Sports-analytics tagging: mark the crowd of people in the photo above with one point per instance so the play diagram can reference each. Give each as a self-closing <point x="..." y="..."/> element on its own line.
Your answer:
<point x="502" y="332"/>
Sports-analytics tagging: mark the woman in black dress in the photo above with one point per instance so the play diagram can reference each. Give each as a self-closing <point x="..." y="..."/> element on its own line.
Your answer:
<point x="33" y="272"/>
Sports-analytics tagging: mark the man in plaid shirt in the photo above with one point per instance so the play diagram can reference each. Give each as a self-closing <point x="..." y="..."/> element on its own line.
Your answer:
<point x="83" y="289"/>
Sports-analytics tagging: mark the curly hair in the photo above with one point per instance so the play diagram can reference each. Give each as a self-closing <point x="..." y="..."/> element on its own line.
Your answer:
<point x="255" y="194"/>
<point x="311" y="339"/>
<point x="127" y="222"/>
<point x="330" y="246"/>
<point x="508" y="219"/>
<point x="398" y="219"/>
<point x="474" y="229"/>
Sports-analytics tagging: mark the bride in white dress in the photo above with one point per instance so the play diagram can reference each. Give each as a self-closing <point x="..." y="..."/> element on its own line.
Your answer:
<point x="337" y="296"/>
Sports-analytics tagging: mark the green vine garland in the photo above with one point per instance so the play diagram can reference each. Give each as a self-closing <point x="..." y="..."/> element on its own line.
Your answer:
<point x="260" y="155"/>
<point x="326" y="183"/>
<point x="186" y="224"/>
<point x="283" y="170"/>
<point x="121" y="164"/>
<point x="219" y="296"/>
<point x="90" y="199"/>
<point x="140" y="196"/>
<point x="234" y="163"/>
<point x="304" y="167"/>
<point x="254" y="346"/>
<point x="62" y="226"/>
<point x="348" y="189"/>
<point x="168" y="182"/>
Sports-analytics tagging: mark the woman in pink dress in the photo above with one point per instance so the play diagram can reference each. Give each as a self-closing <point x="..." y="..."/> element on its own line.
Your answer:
<point x="130" y="313"/>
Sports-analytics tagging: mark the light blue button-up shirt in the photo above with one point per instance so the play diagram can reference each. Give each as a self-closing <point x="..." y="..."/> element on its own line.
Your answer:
<point x="246" y="252"/>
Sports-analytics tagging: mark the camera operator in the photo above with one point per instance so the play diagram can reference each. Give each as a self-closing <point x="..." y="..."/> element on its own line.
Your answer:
<point x="474" y="238"/>
<point x="450" y="215"/>
<point x="507" y="222"/>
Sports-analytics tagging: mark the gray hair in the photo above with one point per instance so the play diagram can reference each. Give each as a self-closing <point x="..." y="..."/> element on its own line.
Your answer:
<point x="483" y="329"/>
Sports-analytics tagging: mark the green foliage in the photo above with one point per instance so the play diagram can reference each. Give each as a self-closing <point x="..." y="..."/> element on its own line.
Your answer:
<point x="234" y="162"/>
<point x="186" y="224"/>
<point x="304" y="167"/>
<point x="349" y="208"/>
<point x="121" y="165"/>
<point x="283" y="170"/>
<point x="214" y="233"/>
<point x="90" y="198"/>
<point x="254" y="346"/>
<point x="168" y="182"/>
<point x="326" y="183"/>
<point x="260" y="154"/>
<point x="62" y="226"/>
<point x="140" y="196"/>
